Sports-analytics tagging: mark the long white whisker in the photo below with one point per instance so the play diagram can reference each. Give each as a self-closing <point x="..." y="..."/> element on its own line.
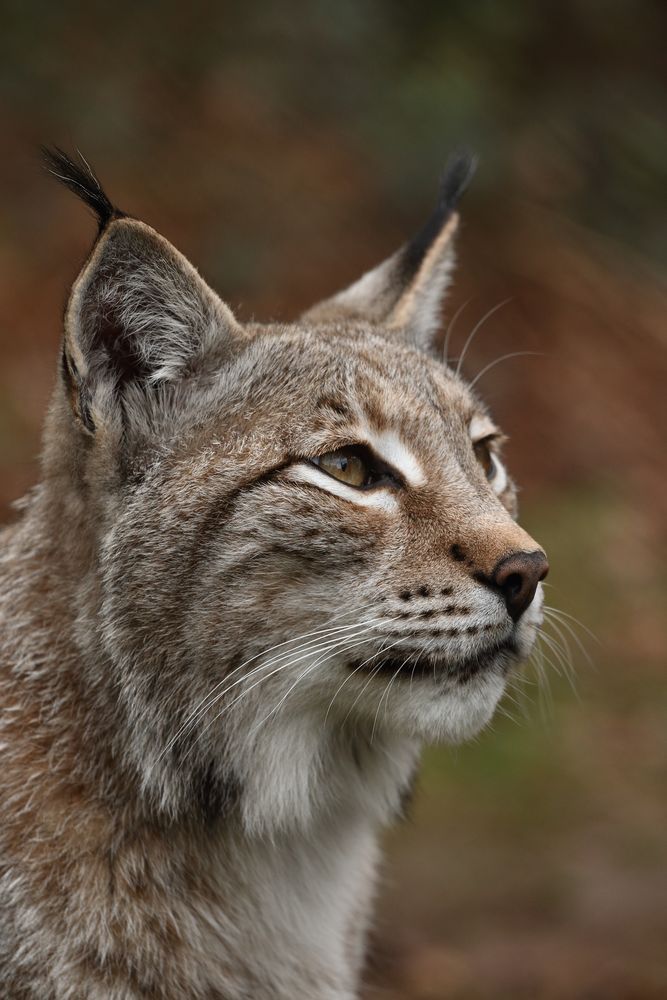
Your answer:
<point x="518" y="684"/>
<point x="283" y="666"/>
<point x="418" y="653"/>
<point x="450" y="330"/>
<point x="340" y="688"/>
<point x="545" y="676"/>
<point x="566" y="664"/>
<point x="202" y="706"/>
<point x="289" y="658"/>
<point x="384" y="693"/>
<point x="563" y="665"/>
<point x="545" y="694"/>
<point x="555" y="625"/>
<point x="331" y="651"/>
<point x="475" y="329"/>
<point x="503" y="710"/>
<point x="246" y="691"/>
<point x="383" y="649"/>
<point x="565" y="614"/>
<point x="555" y="620"/>
<point x="504" y="357"/>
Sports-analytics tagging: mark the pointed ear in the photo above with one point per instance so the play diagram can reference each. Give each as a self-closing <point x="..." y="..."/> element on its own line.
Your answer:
<point x="139" y="312"/>
<point x="404" y="294"/>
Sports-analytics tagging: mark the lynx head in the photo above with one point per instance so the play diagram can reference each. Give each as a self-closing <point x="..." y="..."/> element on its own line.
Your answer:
<point x="302" y="538"/>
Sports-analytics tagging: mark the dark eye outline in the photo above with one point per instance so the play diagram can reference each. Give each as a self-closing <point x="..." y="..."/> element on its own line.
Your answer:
<point x="486" y="442"/>
<point x="378" y="472"/>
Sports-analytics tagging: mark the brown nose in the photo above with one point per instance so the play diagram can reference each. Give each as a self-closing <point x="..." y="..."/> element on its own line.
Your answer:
<point x="517" y="576"/>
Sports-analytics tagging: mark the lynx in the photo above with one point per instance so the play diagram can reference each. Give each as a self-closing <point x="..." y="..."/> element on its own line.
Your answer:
<point x="264" y="565"/>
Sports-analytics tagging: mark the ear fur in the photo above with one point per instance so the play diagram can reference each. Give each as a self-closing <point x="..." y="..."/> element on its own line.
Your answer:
<point x="404" y="294"/>
<point x="138" y="313"/>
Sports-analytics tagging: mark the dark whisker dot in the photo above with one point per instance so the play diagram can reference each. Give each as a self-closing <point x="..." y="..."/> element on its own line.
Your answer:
<point x="435" y="632"/>
<point x="449" y="610"/>
<point x="457" y="553"/>
<point x="464" y="611"/>
<point x="472" y="630"/>
<point x="447" y="591"/>
<point x="405" y="595"/>
<point x="427" y="614"/>
<point x="424" y="591"/>
<point x="452" y="632"/>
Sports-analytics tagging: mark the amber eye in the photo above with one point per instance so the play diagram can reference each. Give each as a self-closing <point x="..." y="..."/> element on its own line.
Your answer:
<point x="355" y="465"/>
<point x="484" y="456"/>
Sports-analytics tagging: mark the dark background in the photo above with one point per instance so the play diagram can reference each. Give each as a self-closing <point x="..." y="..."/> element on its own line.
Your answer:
<point x="286" y="148"/>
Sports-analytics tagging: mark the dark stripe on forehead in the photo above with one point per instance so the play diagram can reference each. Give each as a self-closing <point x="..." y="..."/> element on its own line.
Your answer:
<point x="336" y="405"/>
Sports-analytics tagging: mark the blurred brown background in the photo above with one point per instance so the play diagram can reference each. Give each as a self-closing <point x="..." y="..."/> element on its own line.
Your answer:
<point x="285" y="148"/>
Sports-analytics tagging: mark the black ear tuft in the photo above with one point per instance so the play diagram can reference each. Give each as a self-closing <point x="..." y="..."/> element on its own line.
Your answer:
<point x="82" y="181"/>
<point x="459" y="171"/>
<point x="457" y="175"/>
<point x="404" y="293"/>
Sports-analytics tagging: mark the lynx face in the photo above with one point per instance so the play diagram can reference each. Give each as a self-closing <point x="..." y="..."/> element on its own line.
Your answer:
<point x="296" y="530"/>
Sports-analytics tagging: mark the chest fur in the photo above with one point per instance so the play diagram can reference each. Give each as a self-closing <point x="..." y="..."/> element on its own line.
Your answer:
<point x="204" y="914"/>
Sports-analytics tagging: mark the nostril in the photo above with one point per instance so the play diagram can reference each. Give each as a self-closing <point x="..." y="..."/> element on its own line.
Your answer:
<point x="513" y="584"/>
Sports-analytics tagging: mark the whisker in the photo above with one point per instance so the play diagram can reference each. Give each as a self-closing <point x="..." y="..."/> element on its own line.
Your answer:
<point x="562" y="637"/>
<point x="380" y="651"/>
<point x="519" y="681"/>
<point x="341" y="686"/>
<point x="563" y="665"/>
<point x="501" y="710"/>
<point x="567" y="669"/>
<point x="325" y="656"/>
<point x="544" y="693"/>
<point x="450" y="330"/>
<point x="476" y="328"/>
<point x="504" y="357"/>
<point x="202" y="706"/>
<point x="331" y="647"/>
<point x="386" y="692"/>
<point x="565" y="614"/>
<point x="556" y="621"/>
<point x="507" y="695"/>
<point x="244" y="693"/>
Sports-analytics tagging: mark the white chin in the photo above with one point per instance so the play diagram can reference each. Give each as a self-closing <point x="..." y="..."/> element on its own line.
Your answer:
<point x="451" y="715"/>
<point x="469" y="708"/>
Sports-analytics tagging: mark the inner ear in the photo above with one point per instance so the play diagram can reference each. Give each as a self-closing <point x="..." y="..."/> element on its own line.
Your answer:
<point x="140" y="313"/>
<point x="127" y="363"/>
